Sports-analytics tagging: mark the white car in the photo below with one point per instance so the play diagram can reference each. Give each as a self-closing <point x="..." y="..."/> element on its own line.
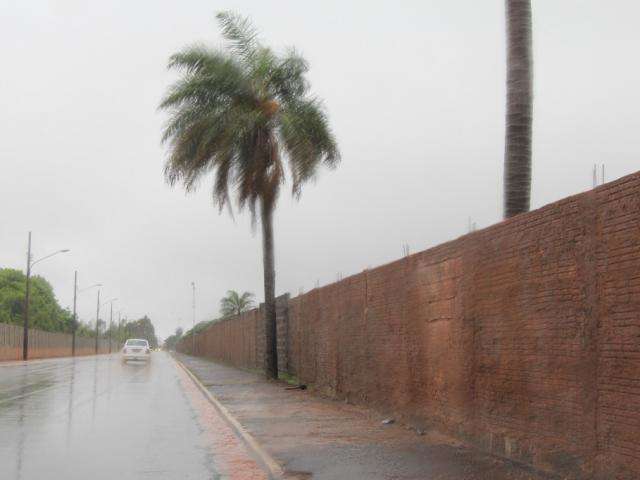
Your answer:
<point x="136" y="349"/>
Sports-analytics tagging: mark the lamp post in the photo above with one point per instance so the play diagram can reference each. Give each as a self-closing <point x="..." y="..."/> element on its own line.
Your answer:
<point x="98" y="304"/>
<point x="97" y="320"/>
<point x="75" y="317"/>
<point x="74" y="325"/>
<point x="111" y="321"/>
<point x="119" y="326"/>
<point x="30" y="264"/>
<point x="193" y="330"/>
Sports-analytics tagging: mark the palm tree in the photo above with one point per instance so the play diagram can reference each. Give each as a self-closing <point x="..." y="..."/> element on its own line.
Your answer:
<point x="234" y="303"/>
<point x="517" y="157"/>
<point x="244" y="113"/>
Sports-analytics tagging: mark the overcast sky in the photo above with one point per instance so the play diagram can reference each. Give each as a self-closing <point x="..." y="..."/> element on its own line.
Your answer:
<point x="415" y="93"/>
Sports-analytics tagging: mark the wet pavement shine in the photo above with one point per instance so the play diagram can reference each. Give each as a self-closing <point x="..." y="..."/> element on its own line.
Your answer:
<point x="99" y="418"/>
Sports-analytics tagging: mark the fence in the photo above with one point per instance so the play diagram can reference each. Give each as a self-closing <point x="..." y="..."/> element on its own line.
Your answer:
<point x="47" y="344"/>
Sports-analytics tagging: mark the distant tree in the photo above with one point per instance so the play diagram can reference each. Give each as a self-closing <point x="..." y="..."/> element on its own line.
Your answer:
<point x="240" y="112"/>
<point x="200" y="326"/>
<point x="101" y="325"/>
<point x="85" y="329"/>
<point x="44" y="311"/>
<point x="171" y="341"/>
<point x="234" y="303"/>
<point x="141" y="328"/>
<point x="517" y="152"/>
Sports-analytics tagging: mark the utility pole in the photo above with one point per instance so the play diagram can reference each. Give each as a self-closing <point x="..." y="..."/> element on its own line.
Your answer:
<point x="110" y="326"/>
<point x="97" y="320"/>
<point x="193" y="331"/>
<point x="30" y="264"/>
<point x="75" y="315"/>
<point x="119" y="327"/>
<point x="74" y="326"/>
<point x="25" y="334"/>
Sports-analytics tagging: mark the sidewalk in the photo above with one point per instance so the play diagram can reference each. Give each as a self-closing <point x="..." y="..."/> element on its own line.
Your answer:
<point x="316" y="438"/>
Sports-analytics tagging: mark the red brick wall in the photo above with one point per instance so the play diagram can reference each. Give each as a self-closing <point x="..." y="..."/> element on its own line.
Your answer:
<point x="234" y="341"/>
<point x="618" y="331"/>
<point x="534" y="353"/>
<point x="239" y="340"/>
<point x="523" y="338"/>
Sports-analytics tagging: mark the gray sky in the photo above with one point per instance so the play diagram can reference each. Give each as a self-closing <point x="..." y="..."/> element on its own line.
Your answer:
<point x="415" y="93"/>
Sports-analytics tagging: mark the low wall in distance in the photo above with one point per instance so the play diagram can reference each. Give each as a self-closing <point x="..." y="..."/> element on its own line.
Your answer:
<point x="239" y="340"/>
<point x="522" y="338"/>
<point x="47" y="344"/>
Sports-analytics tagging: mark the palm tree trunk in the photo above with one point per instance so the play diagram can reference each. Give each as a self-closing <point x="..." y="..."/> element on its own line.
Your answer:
<point x="271" y="334"/>
<point x="517" y="158"/>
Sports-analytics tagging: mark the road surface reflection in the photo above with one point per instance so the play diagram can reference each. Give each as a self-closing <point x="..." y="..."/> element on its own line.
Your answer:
<point x="98" y="418"/>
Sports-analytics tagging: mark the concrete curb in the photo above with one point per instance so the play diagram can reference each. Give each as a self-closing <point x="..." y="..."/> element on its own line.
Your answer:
<point x="273" y="468"/>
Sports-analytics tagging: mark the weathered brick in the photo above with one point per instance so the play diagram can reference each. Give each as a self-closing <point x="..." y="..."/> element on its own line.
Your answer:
<point x="523" y="337"/>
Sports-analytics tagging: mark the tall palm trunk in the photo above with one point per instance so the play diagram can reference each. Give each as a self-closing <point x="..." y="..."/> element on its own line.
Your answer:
<point x="271" y="334"/>
<point x="517" y="158"/>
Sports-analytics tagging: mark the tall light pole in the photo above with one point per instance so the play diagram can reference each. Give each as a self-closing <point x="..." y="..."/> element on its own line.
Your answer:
<point x="111" y="321"/>
<point x="98" y="316"/>
<point x="75" y="317"/>
<point x="193" y="330"/>
<point x="30" y="264"/>
<point x="97" y="320"/>
<point x="119" y="326"/>
<point x="74" y="325"/>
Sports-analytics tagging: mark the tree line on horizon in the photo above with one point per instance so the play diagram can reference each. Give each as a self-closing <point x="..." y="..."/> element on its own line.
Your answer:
<point x="45" y="313"/>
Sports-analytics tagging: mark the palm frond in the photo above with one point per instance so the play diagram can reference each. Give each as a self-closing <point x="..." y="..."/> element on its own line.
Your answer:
<point x="247" y="297"/>
<point x="234" y="304"/>
<point x="197" y="58"/>
<point x="210" y="79"/>
<point x="241" y="36"/>
<point x="287" y="78"/>
<point x="307" y="140"/>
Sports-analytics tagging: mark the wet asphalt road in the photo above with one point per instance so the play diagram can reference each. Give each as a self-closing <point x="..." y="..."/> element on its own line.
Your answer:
<point x="98" y="418"/>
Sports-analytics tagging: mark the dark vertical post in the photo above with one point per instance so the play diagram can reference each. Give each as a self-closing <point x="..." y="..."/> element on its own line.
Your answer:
<point x="74" y="325"/>
<point x="193" y="330"/>
<point x="110" y="326"/>
<point x="25" y="335"/>
<point x="97" y="320"/>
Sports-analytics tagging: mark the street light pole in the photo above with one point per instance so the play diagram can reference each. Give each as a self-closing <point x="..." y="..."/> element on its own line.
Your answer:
<point x="97" y="320"/>
<point x="30" y="264"/>
<point x="25" y="334"/>
<point x="111" y="321"/>
<point x="119" y="327"/>
<point x="74" y="326"/>
<point x="110" y="325"/>
<point x="75" y="316"/>
<point x="193" y="330"/>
